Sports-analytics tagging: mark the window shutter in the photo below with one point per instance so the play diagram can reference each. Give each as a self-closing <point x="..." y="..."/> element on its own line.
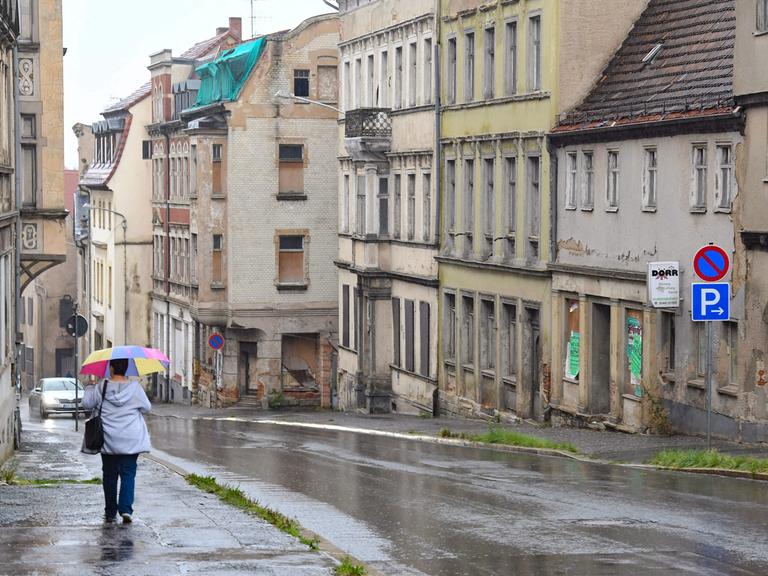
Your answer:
<point x="424" y="338"/>
<point x="409" y="347"/>
<point x="396" y="331"/>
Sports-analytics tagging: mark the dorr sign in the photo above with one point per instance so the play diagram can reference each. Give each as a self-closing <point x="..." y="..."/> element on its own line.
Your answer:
<point x="664" y="284"/>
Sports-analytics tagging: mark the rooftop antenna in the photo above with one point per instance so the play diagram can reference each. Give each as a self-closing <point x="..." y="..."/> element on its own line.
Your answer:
<point x="254" y="17"/>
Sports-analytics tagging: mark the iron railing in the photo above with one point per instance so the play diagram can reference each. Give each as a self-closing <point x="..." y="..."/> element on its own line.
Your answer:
<point x="368" y="123"/>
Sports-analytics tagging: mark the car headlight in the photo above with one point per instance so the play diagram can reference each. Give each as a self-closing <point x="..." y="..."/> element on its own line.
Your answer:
<point x="50" y="401"/>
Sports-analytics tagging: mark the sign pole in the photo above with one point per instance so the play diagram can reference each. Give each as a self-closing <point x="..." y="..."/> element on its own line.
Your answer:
<point x="77" y="380"/>
<point x="709" y="385"/>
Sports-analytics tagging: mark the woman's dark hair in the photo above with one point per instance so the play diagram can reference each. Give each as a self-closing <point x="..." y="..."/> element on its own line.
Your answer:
<point x="119" y="366"/>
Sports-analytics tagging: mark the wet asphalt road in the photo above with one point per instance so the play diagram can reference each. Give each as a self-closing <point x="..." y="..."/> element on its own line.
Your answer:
<point x="409" y="508"/>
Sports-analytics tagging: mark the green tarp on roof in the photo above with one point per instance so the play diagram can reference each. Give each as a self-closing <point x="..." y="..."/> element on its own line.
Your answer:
<point x="223" y="78"/>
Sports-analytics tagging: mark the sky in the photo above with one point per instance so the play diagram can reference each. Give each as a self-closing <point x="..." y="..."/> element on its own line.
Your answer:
<point x="108" y="44"/>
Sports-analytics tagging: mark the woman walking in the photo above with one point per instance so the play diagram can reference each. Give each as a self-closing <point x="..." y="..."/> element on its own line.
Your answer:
<point x="125" y="436"/>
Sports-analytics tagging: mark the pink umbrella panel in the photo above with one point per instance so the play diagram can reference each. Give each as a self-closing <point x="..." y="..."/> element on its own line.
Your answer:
<point x="141" y="361"/>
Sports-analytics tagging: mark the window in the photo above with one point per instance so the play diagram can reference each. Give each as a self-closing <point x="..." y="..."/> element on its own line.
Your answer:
<point x="489" y="70"/>
<point x="488" y="335"/>
<point x="588" y="190"/>
<point x="384" y="80"/>
<point x="572" y="175"/>
<point x="649" y="179"/>
<point x="534" y="53"/>
<point x="410" y="351"/>
<point x="510" y="63"/>
<point x="345" y="205"/>
<point x="469" y="66"/>
<point x="508" y="330"/>
<point x="612" y="186"/>
<point x="572" y="339"/>
<point x="668" y="341"/>
<point x="216" y="153"/>
<point x="396" y="331"/>
<point x="360" y="224"/>
<point x="291" y="260"/>
<point x="29" y="174"/>
<point x="468" y="202"/>
<point x="347" y="87"/>
<point x="345" y="315"/>
<point x="762" y="15"/>
<point x="358" y="86"/>
<point x="399" y="77"/>
<point x="426" y="209"/>
<point x="468" y="330"/>
<point x="724" y="178"/>
<point x="450" y="196"/>
<point x="424" y="341"/>
<point x="510" y="205"/>
<point x="109" y="286"/>
<point x="534" y="205"/>
<point x="291" y="169"/>
<point x="732" y="345"/>
<point x="451" y="72"/>
<point x="28" y="128"/>
<point x="449" y="335"/>
<point x="397" y="208"/>
<point x="411" y="207"/>
<point x="370" y="70"/>
<point x="356" y="320"/>
<point x="216" y="176"/>
<point x="383" y="206"/>
<point x="216" y="259"/>
<point x="193" y="259"/>
<point x="412" y="74"/>
<point x="427" y="71"/>
<point x="634" y="362"/>
<point x="699" y="192"/>
<point x="488" y="205"/>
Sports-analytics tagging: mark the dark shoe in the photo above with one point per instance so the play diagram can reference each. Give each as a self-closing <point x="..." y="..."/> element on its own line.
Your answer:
<point x="110" y="519"/>
<point x="126" y="518"/>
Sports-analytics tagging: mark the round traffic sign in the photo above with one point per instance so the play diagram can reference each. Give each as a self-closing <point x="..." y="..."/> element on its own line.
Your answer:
<point x="216" y="341"/>
<point x="711" y="263"/>
<point x="77" y="325"/>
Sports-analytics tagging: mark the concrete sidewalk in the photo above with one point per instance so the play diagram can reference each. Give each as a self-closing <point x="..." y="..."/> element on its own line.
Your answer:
<point x="177" y="529"/>
<point x="601" y="445"/>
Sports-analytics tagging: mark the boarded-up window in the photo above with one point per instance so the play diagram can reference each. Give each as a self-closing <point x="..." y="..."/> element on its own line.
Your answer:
<point x="216" y="170"/>
<point x="572" y="339"/>
<point x="65" y="311"/>
<point x="467" y="330"/>
<point x="449" y="332"/>
<point x="355" y="319"/>
<point x="327" y="84"/>
<point x="291" y="167"/>
<point x="396" y="331"/>
<point x="409" y="340"/>
<point x="424" y="338"/>
<point x="291" y="259"/>
<point x="29" y="174"/>
<point x="345" y="316"/>
<point x="488" y="335"/>
<point x="216" y="258"/>
<point x="509" y="340"/>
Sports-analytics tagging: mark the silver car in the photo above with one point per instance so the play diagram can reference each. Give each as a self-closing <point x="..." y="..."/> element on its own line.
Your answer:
<point x="55" y="396"/>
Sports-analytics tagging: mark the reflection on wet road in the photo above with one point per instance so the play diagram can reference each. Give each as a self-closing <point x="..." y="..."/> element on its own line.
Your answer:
<point x="411" y="508"/>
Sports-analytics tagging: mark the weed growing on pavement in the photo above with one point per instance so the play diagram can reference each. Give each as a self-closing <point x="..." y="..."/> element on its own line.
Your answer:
<point x="235" y="497"/>
<point x="497" y="435"/>
<point x="8" y="473"/>
<point x="709" y="459"/>
<point x="349" y="568"/>
<point x="8" y="476"/>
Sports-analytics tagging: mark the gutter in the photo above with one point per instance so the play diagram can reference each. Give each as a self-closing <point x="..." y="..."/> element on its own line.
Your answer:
<point x="438" y="132"/>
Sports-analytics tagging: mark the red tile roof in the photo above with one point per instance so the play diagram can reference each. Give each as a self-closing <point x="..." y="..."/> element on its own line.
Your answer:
<point x="203" y="48"/>
<point x="129" y="101"/>
<point x="691" y="73"/>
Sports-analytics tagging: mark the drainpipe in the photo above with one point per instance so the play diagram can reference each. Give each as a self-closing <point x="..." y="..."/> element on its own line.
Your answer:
<point x="18" y="201"/>
<point x="552" y="151"/>
<point x="167" y="194"/>
<point x="438" y="133"/>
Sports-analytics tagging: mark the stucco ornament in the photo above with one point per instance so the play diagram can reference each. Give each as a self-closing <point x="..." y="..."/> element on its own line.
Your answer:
<point x="26" y="77"/>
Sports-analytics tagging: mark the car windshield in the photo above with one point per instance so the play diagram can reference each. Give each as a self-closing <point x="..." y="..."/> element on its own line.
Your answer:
<point x="59" y="385"/>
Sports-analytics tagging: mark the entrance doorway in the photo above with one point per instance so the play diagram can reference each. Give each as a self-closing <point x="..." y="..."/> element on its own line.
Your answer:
<point x="65" y="362"/>
<point x="600" y="360"/>
<point x="531" y="360"/>
<point x="248" y="368"/>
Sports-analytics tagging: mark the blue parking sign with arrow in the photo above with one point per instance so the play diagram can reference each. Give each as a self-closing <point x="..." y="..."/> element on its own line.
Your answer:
<point x="710" y="301"/>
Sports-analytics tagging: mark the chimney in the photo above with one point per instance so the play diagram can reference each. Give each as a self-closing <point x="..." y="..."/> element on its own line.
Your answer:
<point x="236" y="26"/>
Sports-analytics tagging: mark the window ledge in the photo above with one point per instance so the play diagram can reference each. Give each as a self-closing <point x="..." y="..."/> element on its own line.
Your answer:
<point x="612" y="209"/>
<point x="697" y="383"/>
<point x="632" y="397"/>
<point x="218" y="286"/>
<point x="292" y="196"/>
<point x="759" y="32"/>
<point x="588" y="208"/>
<point x="218" y="197"/>
<point x="722" y="210"/>
<point x="468" y="367"/>
<point x="451" y="364"/>
<point x="348" y="349"/>
<point x="298" y="286"/>
<point x="698" y="210"/>
<point x="730" y="390"/>
<point x="650" y="209"/>
<point x="568" y="380"/>
<point x="488" y="372"/>
<point x="668" y="377"/>
<point x="570" y="207"/>
<point x="511" y="380"/>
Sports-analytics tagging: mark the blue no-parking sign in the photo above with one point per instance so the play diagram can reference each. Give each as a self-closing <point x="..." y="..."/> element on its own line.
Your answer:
<point x="710" y="301"/>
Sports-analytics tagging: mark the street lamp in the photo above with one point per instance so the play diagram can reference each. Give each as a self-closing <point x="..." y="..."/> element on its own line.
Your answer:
<point x="289" y="96"/>
<point x="124" y="225"/>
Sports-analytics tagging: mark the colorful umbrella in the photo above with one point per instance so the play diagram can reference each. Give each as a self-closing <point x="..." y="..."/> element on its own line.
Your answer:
<point x="141" y="361"/>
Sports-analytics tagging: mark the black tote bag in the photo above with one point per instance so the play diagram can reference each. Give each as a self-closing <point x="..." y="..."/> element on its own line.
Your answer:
<point x="93" y="438"/>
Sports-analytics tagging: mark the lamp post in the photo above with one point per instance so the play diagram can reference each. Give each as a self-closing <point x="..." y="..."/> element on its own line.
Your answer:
<point x="124" y="225"/>
<point x="289" y="96"/>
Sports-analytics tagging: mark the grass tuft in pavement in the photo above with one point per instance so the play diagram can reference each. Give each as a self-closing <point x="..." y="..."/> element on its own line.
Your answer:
<point x="349" y="568"/>
<point x="235" y="497"/>
<point x="497" y="435"/>
<point x="8" y="476"/>
<point x="709" y="459"/>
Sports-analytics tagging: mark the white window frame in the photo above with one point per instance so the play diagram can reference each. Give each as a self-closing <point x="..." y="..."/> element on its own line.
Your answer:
<point x="511" y="34"/>
<point x="469" y="65"/>
<point x="699" y="176"/>
<point x="588" y="180"/>
<point x="612" y="179"/>
<point x="428" y="59"/>
<point x="762" y="16"/>
<point x="489" y="62"/>
<point x="534" y="63"/>
<point x="650" y="178"/>
<point x="725" y="184"/>
<point x="571" y="179"/>
<point x="451" y="64"/>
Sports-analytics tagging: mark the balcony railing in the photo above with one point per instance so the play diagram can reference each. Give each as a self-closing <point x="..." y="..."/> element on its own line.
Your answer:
<point x="368" y="123"/>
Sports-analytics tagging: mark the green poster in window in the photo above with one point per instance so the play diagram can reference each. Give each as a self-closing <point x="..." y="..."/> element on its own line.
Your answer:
<point x="572" y="362"/>
<point x="635" y="353"/>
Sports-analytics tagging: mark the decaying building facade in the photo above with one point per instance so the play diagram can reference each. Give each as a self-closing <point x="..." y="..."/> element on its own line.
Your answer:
<point x="647" y="173"/>
<point x="388" y="207"/>
<point x="264" y="218"/>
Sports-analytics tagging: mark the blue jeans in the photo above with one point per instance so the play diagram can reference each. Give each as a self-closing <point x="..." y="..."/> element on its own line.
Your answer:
<point x="124" y="467"/>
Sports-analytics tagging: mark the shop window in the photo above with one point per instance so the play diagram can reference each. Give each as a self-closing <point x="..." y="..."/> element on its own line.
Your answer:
<point x="634" y="339"/>
<point x="572" y="340"/>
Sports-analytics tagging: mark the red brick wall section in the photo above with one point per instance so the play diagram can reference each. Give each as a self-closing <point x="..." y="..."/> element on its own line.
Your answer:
<point x="326" y="351"/>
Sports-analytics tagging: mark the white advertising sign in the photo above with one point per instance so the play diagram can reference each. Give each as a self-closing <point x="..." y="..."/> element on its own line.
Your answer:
<point x="664" y="284"/>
